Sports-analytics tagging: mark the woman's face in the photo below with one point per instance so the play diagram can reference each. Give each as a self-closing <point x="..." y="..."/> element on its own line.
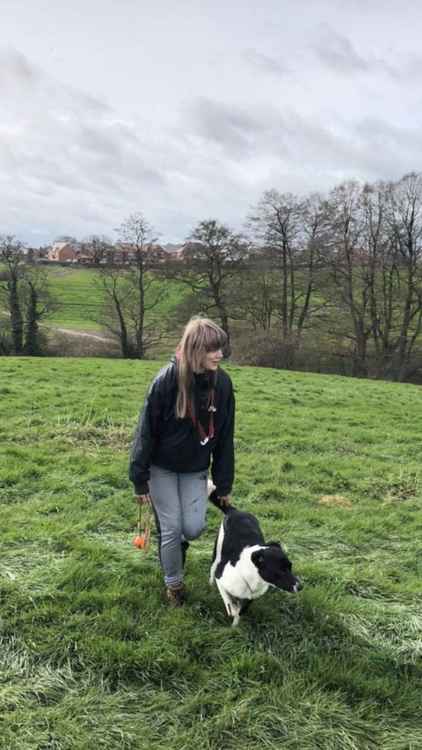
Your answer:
<point x="213" y="359"/>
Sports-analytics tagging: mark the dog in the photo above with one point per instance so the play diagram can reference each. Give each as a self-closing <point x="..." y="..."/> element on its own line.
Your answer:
<point x="244" y="566"/>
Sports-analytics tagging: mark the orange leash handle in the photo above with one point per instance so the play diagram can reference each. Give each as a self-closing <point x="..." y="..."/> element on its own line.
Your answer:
<point x="143" y="537"/>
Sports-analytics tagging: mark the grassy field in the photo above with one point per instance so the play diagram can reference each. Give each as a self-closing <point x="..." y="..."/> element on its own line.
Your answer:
<point x="91" y="656"/>
<point x="80" y="298"/>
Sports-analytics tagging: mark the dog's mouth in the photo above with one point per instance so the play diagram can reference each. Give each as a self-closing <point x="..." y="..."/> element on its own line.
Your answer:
<point x="293" y="588"/>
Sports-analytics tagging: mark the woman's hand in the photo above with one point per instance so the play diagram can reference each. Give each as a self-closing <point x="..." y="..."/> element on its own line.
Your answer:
<point x="225" y="500"/>
<point x="143" y="499"/>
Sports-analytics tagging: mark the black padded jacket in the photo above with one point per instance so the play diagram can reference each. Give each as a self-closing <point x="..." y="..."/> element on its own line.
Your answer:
<point x="171" y="443"/>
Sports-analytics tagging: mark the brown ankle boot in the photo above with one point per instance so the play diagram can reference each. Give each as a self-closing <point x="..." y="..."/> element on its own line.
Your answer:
<point x="176" y="595"/>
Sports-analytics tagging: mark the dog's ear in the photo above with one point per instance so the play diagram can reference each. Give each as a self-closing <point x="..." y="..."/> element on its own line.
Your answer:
<point x="273" y="544"/>
<point x="257" y="557"/>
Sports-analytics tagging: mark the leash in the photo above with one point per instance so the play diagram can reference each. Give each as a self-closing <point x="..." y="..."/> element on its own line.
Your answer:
<point x="143" y="537"/>
<point x="203" y="437"/>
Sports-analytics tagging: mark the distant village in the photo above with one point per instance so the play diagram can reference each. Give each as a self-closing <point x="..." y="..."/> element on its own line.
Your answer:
<point x="85" y="253"/>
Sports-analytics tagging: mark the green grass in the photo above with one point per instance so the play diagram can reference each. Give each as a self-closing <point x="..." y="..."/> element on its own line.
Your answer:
<point x="90" y="655"/>
<point x="80" y="298"/>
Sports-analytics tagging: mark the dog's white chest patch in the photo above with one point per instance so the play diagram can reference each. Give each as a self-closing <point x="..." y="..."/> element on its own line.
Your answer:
<point x="242" y="580"/>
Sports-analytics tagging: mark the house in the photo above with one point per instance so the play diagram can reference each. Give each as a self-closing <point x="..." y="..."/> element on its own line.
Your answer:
<point x="174" y="250"/>
<point x="126" y="253"/>
<point x="62" y="252"/>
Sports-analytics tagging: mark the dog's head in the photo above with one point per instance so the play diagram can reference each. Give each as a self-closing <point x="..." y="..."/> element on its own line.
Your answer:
<point x="275" y="567"/>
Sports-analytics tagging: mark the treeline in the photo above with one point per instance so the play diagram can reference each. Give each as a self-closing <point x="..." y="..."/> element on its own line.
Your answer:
<point x="330" y="283"/>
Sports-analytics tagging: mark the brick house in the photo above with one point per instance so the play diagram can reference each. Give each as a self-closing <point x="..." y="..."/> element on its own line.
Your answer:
<point x="62" y="251"/>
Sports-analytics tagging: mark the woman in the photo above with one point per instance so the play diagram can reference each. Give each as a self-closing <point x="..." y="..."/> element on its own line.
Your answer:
<point x="187" y="421"/>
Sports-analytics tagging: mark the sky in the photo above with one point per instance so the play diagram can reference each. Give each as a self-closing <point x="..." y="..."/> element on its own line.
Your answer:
<point x="190" y="110"/>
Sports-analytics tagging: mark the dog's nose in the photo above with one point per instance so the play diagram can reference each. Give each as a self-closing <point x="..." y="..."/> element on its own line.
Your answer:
<point x="298" y="586"/>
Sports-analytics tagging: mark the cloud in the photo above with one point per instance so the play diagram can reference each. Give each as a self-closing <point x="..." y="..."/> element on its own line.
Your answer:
<point x="71" y="163"/>
<point x="229" y="126"/>
<point x="63" y="151"/>
<point x="386" y="149"/>
<point x="293" y="151"/>
<point x="337" y="52"/>
<point x="266" y="63"/>
<point x="286" y="137"/>
<point x="15" y="69"/>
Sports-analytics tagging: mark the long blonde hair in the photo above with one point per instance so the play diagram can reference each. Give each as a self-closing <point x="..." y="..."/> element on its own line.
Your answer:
<point x="201" y="335"/>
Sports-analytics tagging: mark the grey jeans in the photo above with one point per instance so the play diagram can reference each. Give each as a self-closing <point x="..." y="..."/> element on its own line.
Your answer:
<point x="180" y="503"/>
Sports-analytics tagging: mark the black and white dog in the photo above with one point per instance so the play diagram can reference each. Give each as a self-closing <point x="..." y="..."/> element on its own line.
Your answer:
<point x="244" y="566"/>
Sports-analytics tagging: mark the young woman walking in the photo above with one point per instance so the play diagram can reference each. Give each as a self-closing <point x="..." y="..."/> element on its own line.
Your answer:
<point x="186" y="424"/>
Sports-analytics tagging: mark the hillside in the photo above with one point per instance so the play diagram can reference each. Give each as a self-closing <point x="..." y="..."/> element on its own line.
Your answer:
<point x="80" y="298"/>
<point x="90" y="654"/>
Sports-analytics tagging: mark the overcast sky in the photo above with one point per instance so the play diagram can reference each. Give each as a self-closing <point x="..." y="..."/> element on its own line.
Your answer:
<point x="187" y="110"/>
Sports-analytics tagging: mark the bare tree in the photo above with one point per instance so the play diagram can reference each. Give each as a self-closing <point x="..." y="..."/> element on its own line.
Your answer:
<point x="375" y="254"/>
<point x="405" y="225"/>
<point x="212" y="257"/>
<point x="255" y="293"/>
<point x="132" y="289"/>
<point x="349" y="271"/>
<point x="98" y="247"/>
<point x="291" y="232"/>
<point x="114" y="284"/>
<point x="378" y="267"/>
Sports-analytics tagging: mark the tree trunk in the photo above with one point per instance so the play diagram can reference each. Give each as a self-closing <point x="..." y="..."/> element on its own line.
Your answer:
<point x="285" y="283"/>
<point x="15" y="317"/>
<point x="123" y="336"/>
<point x="222" y="311"/>
<point x="31" y="347"/>
<point x="140" y="344"/>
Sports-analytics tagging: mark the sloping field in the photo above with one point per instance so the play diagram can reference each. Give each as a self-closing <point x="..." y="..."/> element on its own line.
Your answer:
<point x="80" y="298"/>
<point x="90" y="655"/>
